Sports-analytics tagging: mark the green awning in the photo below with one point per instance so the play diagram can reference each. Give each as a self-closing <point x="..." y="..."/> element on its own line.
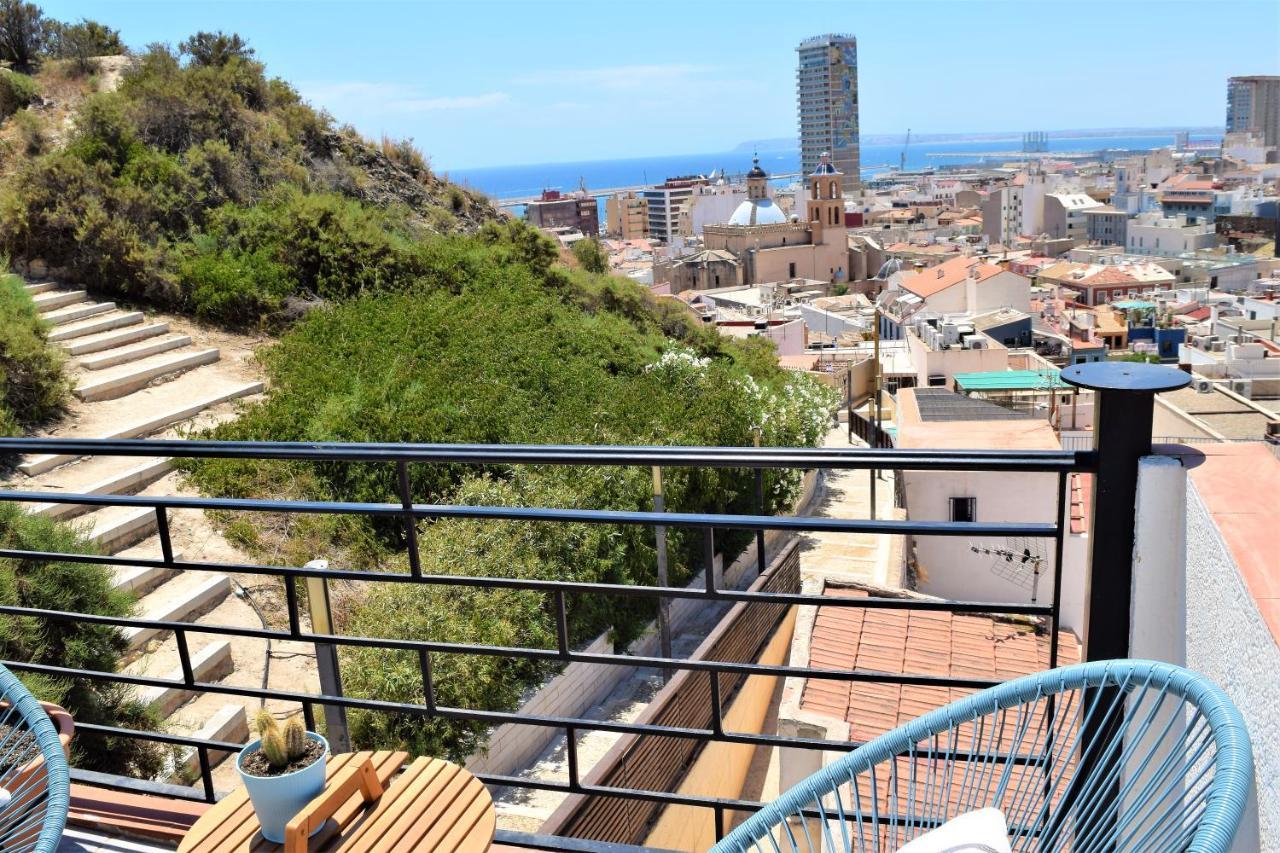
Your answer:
<point x="1010" y="380"/>
<point x="1132" y="304"/>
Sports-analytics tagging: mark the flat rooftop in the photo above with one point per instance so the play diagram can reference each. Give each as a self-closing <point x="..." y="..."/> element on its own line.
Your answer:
<point x="1010" y="380"/>
<point x="955" y="422"/>
<point x="1221" y="412"/>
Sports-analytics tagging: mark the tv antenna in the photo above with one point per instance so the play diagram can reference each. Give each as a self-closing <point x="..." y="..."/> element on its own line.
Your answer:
<point x="1021" y="561"/>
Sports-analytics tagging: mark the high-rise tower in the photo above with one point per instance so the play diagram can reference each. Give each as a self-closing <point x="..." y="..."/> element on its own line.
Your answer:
<point x="827" y="104"/>
<point x="1253" y="106"/>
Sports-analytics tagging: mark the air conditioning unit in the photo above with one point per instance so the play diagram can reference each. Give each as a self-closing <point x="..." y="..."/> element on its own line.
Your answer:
<point x="1219" y="346"/>
<point x="937" y="380"/>
<point x="975" y="343"/>
<point x="1243" y="387"/>
<point x="1204" y="386"/>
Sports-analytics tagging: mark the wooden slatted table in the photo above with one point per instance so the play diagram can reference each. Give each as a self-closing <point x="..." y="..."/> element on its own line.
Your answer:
<point x="432" y="806"/>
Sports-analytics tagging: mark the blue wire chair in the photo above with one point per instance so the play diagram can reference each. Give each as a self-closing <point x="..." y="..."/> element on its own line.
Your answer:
<point x="1124" y="755"/>
<point x="35" y="785"/>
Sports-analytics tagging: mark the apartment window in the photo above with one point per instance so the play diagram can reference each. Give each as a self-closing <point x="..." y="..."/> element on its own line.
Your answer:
<point x="964" y="509"/>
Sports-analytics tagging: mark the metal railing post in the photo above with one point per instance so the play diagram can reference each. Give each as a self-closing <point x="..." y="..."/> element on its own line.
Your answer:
<point x="759" y="509"/>
<point x="660" y="542"/>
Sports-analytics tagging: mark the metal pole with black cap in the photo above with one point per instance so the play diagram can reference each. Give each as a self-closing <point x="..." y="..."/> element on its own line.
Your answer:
<point x="1123" y="410"/>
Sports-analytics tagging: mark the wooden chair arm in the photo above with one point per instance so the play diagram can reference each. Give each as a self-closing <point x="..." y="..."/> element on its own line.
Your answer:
<point x="338" y="790"/>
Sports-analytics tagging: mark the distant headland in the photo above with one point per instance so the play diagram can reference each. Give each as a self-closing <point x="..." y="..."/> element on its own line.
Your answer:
<point x="787" y="142"/>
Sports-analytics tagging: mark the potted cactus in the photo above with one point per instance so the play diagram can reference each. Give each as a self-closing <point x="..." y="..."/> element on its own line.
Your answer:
<point x="282" y="770"/>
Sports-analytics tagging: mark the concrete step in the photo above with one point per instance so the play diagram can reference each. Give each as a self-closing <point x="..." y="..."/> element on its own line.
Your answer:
<point x="211" y="663"/>
<point x="134" y="377"/>
<point x="111" y="340"/>
<point x="117" y="527"/>
<point x="140" y="580"/>
<point x="178" y="600"/>
<point x="123" y="483"/>
<point x="92" y="327"/>
<point x="137" y="352"/>
<point x="34" y="287"/>
<point x="77" y="312"/>
<point x="149" y="425"/>
<point x="229" y="724"/>
<point x="57" y="298"/>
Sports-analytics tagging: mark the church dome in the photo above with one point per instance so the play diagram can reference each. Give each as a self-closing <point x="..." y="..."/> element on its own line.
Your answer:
<point x="761" y="211"/>
<point x="756" y="171"/>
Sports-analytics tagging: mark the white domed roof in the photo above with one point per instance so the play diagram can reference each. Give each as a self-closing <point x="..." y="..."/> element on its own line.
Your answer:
<point x="757" y="212"/>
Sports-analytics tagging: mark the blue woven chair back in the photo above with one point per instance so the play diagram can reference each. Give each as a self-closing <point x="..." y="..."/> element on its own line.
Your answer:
<point x="1118" y="755"/>
<point x="35" y="786"/>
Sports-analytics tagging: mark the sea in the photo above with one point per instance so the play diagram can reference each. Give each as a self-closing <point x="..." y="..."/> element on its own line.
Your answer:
<point x="507" y="182"/>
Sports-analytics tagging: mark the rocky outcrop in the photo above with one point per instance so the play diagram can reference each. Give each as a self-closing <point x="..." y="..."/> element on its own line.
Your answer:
<point x="349" y="164"/>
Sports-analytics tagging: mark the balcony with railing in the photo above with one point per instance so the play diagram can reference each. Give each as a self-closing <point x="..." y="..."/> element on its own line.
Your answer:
<point x="736" y="707"/>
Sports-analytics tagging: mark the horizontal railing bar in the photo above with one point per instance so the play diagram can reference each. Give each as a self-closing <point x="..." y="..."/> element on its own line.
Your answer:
<point x="495" y="718"/>
<point x="481" y="454"/>
<point x="851" y="815"/>
<point x="160" y="737"/>
<point x="549" y="655"/>
<point x="566" y="844"/>
<point x="115" y="782"/>
<point x="537" y="585"/>
<point x="560" y="516"/>
<point x="631" y="728"/>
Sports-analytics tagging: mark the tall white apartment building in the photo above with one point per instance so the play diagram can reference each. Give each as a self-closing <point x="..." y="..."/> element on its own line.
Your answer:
<point x="827" y="104"/>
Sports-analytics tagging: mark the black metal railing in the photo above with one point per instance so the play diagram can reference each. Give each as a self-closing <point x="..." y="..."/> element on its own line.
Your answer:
<point x="1114" y="563"/>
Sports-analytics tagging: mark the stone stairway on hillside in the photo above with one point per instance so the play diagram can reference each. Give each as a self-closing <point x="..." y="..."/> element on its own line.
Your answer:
<point x="135" y="377"/>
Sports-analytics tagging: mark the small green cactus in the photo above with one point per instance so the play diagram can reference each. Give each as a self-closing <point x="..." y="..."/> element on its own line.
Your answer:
<point x="280" y="747"/>
<point x="273" y="746"/>
<point x="264" y="723"/>
<point x="295" y="737"/>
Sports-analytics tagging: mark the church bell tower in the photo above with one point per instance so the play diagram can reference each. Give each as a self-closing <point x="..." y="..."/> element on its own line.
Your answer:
<point x="826" y="201"/>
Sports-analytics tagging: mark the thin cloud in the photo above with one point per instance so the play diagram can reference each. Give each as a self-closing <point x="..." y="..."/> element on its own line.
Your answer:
<point x="618" y="78"/>
<point x="364" y="97"/>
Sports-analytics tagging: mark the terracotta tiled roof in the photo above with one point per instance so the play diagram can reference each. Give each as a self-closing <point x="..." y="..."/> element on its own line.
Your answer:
<point x="1108" y="275"/>
<point x="914" y="642"/>
<point x="1081" y="490"/>
<point x="947" y="274"/>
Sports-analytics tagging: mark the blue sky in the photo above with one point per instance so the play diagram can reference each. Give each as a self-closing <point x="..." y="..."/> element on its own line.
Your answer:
<point x="484" y="83"/>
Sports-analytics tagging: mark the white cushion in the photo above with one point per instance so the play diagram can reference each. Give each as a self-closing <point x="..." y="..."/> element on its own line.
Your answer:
<point x="981" y="831"/>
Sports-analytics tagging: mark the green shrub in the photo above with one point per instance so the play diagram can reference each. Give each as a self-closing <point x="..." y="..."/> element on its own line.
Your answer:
<point x="488" y="347"/>
<point x="591" y="255"/>
<point x="82" y="588"/>
<point x="81" y="42"/>
<point x="32" y="133"/>
<point x="234" y="288"/>
<point x="16" y="91"/>
<point x="32" y="387"/>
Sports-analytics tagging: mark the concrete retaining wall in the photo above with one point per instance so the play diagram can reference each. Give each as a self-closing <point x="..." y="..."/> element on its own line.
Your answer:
<point x="513" y="747"/>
